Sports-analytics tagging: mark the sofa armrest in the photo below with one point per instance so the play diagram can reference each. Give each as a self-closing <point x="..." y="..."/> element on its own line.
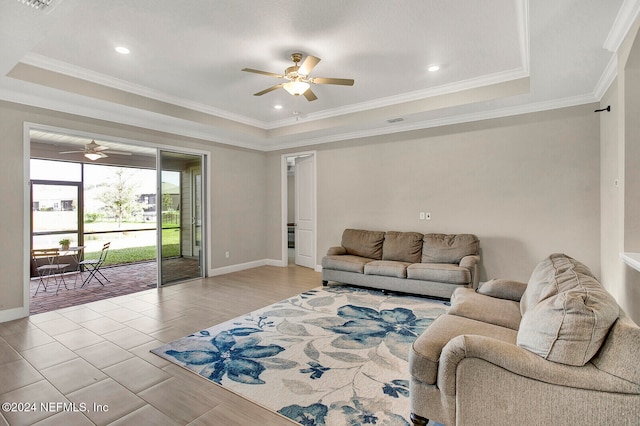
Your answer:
<point x="521" y="362"/>
<point x="471" y="263"/>
<point x="336" y="251"/>
<point x="503" y="289"/>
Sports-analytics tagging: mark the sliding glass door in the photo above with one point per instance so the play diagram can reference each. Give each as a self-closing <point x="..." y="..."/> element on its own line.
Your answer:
<point x="179" y="208"/>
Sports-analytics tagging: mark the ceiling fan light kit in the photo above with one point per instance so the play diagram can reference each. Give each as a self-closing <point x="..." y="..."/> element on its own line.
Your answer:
<point x="93" y="156"/>
<point x="93" y="151"/>
<point x="299" y="80"/>
<point x="296" y="88"/>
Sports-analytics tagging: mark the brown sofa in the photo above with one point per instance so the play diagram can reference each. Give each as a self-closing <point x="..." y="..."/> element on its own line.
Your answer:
<point x="556" y="351"/>
<point x="410" y="262"/>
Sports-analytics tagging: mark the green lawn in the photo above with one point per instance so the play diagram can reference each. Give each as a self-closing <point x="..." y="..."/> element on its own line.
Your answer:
<point x="140" y="254"/>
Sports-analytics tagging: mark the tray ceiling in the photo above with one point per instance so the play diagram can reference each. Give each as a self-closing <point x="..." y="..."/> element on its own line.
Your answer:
<point x="183" y="72"/>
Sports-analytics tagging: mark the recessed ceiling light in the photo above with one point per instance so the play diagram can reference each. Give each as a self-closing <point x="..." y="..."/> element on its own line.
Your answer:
<point x="122" y="50"/>
<point x="433" y="68"/>
<point x="277" y="106"/>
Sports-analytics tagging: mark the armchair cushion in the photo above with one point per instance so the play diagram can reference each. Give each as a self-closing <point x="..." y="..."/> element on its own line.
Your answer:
<point x="424" y="356"/>
<point x="503" y="289"/>
<point x="572" y="317"/>
<point x="555" y="274"/>
<point x="467" y="303"/>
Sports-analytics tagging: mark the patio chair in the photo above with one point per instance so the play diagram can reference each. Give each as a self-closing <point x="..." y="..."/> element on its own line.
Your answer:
<point x="93" y="266"/>
<point x="50" y="267"/>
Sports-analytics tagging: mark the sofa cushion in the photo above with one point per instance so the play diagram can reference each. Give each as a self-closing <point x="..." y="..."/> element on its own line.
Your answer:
<point x="553" y="275"/>
<point x="402" y="246"/>
<point x="573" y="316"/>
<point x="424" y="355"/>
<point x="386" y="268"/>
<point x="465" y="302"/>
<point x="444" y="248"/>
<point x="363" y="243"/>
<point x="347" y="263"/>
<point x="440" y="272"/>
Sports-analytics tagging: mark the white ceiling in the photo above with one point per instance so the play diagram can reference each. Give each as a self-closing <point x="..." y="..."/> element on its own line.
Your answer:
<point x="183" y="75"/>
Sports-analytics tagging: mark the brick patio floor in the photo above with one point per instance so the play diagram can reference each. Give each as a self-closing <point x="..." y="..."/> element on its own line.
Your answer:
<point x="124" y="279"/>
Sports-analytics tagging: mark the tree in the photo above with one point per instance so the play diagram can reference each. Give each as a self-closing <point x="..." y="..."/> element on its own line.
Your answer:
<point x="119" y="196"/>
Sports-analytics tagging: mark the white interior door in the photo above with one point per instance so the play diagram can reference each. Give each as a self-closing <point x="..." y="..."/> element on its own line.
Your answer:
<point x="305" y="212"/>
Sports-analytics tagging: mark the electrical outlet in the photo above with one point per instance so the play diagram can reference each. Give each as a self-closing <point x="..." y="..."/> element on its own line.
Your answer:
<point x="422" y="215"/>
<point x="226" y="254"/>
<point x="428" y="216"/>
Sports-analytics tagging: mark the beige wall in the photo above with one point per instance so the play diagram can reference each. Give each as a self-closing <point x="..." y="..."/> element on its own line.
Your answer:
<point x="611" y="192"/>
<point x="528" y="186"/>
<point x="620" y="149"/>
<point x="236" y="180"/>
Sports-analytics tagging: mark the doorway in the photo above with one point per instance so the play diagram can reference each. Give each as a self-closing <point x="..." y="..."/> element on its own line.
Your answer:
<point x="73" y="208"/>
<point x="180" y="217"/>
<point x="299" y="209"/>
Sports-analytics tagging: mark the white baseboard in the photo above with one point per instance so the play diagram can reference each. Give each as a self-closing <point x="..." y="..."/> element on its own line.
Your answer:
<point x="243" y="266"/>
<point x="256" y="263"/>
<point x="13" y="314"/>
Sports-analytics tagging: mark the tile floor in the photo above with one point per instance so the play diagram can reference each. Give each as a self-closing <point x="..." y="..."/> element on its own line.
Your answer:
<point x="96" y="355"/>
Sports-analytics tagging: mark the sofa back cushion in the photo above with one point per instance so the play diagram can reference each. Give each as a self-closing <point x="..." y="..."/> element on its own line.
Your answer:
<point x="402" y="246"/>
<point x="573" y="313"/>
<point x="448" y="248"/>
<point x="555" y="274"/>
<point x="359" y="242"/>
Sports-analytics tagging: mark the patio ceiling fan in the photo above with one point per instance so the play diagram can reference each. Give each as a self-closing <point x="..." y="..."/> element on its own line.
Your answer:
<point x="94" y="151"/>
<point x="299" y="79"/>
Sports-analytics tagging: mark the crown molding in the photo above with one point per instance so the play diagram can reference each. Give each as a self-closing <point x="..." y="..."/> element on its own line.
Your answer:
<point x="63" y="68"/>
<point x="625" y="19"/>
<point x="523" y="34"/>
<point x="101" y="110"/>
<point x="114" y="83"/>
<point x="446" y="121"/>
<point x="608" y="76"/>
<point x="459" y="86"/>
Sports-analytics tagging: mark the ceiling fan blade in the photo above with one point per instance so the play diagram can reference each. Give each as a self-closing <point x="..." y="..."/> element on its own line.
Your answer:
<point x="70" y="152"/>
<point x="119" y="152"/>
<point x="310" y="95"/>
<point x="340" y="81"/>
<point x="309" y="63"/>
<point x="270" y="89"/>
<point x="271" y="74"/>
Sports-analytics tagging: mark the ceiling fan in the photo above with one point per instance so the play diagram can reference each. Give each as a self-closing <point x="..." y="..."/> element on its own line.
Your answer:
<point x="93" y="151"/>
<point x="299" y="79"/>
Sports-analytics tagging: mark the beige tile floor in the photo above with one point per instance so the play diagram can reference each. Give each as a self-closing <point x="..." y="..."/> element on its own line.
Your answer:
<point x="97" y="355"/>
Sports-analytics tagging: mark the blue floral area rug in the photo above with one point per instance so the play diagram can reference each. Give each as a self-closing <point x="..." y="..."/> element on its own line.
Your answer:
<point x="329" y="356"/>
